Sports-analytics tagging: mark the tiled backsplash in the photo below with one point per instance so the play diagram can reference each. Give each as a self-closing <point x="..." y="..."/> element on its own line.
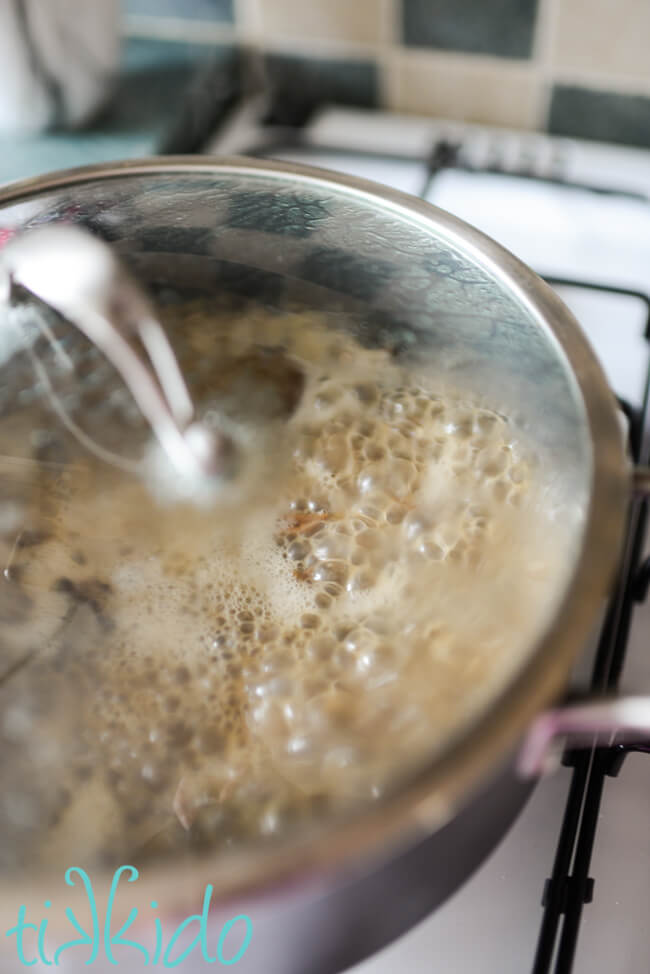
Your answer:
<point x="574" y="67"/>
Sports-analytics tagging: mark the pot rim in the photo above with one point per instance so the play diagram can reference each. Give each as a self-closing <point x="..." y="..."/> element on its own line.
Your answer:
<point x="431" y="796"/>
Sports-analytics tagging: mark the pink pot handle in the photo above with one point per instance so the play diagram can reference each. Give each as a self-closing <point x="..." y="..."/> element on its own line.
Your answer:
<point x="605" y="722"/>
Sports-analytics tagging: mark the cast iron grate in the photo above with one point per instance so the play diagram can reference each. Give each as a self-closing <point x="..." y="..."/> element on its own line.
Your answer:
<point x="570" y="887"/>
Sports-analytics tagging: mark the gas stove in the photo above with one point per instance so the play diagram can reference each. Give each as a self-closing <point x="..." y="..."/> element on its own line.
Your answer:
<point x="567" y="889"/>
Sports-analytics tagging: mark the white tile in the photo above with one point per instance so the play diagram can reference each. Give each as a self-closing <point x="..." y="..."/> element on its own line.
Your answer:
<point x="606" y="37"/>
<point x="360" y="21"/>
<point x="471" y="89"/>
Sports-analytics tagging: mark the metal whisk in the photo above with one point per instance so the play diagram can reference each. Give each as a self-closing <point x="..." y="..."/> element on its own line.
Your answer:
<point x="80" y="277"/>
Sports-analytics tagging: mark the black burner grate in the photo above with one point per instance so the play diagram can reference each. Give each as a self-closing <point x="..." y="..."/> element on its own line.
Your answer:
<point x="570" y="887"/>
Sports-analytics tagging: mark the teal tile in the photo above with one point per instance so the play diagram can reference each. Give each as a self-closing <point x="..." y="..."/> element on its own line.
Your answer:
<point x="147" y="103"/>
<point x="217" y="10"/>
<point x="22" y="158"/>
<point x="504" y="28"/>
<point x="602" y="115"/>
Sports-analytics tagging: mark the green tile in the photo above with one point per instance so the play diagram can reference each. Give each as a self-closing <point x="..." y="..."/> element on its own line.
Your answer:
<point x="602" y="115"/>
<point x="504" y="28"/>
<point x="317" y="81"/>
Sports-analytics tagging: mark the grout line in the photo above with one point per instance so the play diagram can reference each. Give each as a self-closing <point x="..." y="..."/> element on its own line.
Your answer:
<point x="317" y="47"/>
<point x="548" y="19"/>
<point x="545" y="30"/>
<point x="178" y="29"/>
<point x="390" y="32"/>
<point x="390" y="23"/>
<point x="390" y="81"/>
<point x="249" y="21"/>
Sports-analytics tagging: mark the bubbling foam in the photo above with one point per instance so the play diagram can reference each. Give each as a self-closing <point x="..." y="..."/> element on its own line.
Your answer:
<point x="209" y="678"/>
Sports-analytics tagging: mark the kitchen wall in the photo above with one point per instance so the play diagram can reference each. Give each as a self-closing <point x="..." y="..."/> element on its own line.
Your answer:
<point x="573" y="67"/>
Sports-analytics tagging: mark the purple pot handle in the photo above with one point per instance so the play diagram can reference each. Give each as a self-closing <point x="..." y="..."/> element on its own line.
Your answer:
<point x="605" y="722"/>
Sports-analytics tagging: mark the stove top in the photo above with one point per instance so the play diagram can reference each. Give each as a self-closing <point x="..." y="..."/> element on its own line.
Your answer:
<point x="579" y="214"/>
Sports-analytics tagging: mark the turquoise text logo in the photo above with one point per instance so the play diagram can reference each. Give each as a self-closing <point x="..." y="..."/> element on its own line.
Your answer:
<point x="30" y="939"/>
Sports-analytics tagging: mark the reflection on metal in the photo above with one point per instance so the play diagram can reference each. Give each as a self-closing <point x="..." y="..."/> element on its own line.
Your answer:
<point x="78" y="275"/>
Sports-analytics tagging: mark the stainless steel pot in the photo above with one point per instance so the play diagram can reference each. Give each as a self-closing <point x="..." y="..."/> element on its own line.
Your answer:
<point x="421" y="283"/>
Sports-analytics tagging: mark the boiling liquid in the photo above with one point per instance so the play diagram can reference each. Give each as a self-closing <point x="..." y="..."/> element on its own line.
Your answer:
<point x="181" y="678"/>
